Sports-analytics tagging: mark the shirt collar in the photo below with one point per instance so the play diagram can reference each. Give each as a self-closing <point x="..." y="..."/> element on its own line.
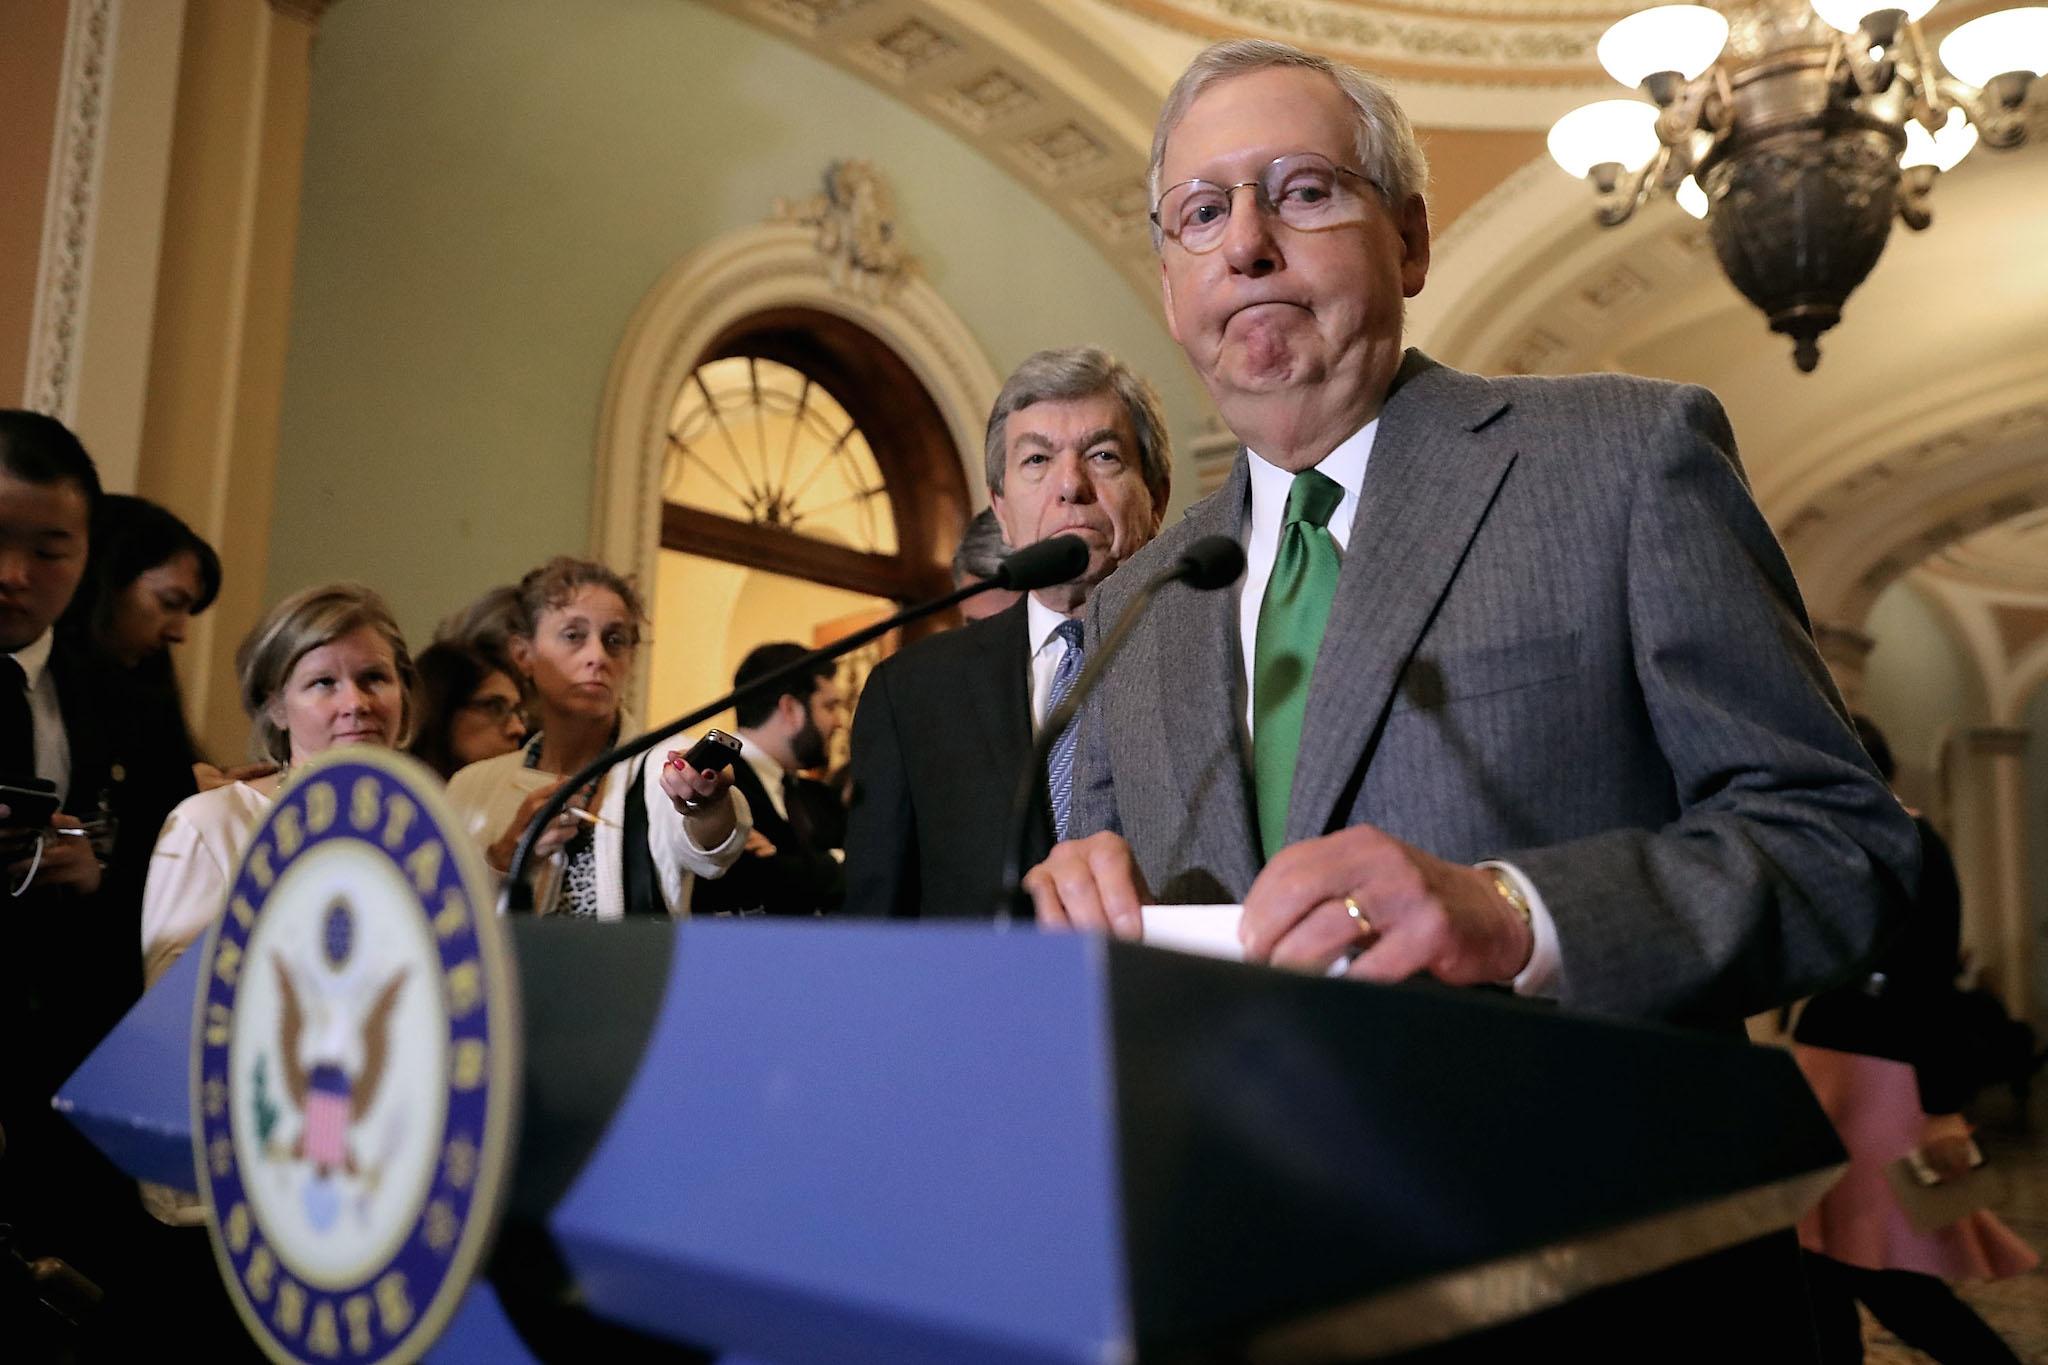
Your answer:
<point x="763" y="763"/>
<point x="1040" y="622"/>
<point x="34" y="657"/>
<point x="1345" y="465"/>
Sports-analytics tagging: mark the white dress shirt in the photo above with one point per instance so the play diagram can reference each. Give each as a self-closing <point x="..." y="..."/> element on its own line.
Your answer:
<point x="1345" y="465"/>
<point x="768" y="770"/>
<point x="53" y="747"/>
<point x="1047" y="649"/>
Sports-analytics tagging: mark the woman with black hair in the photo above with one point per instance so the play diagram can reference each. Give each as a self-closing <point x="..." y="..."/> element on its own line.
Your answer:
<point x="147" y="576"/>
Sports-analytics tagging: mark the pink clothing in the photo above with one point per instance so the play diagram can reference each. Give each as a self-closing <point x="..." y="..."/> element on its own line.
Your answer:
<point x="1875" y="1107"/>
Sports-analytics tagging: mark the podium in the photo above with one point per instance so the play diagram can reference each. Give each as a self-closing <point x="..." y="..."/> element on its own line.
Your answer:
<point x="822" y="1141"/>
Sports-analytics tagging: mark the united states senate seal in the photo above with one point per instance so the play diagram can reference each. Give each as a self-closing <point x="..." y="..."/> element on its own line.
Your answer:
<point x="354" y="1066"/>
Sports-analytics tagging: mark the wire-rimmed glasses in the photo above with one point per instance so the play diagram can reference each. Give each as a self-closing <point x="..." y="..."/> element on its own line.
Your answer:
<point x="1305" y="190"/>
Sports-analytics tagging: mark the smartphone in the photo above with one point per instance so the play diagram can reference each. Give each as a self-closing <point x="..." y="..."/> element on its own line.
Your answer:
<point x="30" y="801"/>
<point x="716" y="750"/>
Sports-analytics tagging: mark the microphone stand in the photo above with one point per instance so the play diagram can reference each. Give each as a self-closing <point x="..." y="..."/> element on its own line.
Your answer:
<point x="518" y="894"/>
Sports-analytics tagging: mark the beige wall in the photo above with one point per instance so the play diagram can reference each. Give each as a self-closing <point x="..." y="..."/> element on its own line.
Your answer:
<point x="31" y="70"/>
<point x="1465" y="164"/>
<point x="490" y="190"/>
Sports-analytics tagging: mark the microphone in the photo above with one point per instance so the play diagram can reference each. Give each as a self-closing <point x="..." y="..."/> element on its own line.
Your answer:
<point x="1209" y="563"/>
<point x="1043" y="565"/>
<point x="1047" y="564"/>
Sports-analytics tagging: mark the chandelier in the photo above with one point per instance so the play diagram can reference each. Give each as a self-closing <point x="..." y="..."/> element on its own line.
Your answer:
<point x="1797" y="132"/>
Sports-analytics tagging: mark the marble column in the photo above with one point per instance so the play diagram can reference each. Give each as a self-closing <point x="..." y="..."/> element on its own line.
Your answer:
<point x="1996" y="908"/>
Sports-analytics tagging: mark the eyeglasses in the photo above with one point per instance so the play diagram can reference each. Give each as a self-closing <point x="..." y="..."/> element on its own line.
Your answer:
<point x="496" y="710"/>
<point x="1304" y="190"/>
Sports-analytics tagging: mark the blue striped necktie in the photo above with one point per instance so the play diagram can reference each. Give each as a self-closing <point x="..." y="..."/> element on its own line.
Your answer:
<point x="1059" y="764"/>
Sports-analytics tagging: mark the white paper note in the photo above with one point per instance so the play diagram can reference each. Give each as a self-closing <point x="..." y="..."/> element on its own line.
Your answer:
<point x="1210" y="930"/>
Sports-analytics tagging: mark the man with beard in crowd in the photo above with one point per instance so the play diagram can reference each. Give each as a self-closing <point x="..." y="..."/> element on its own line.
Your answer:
<point x="789" y="867"/>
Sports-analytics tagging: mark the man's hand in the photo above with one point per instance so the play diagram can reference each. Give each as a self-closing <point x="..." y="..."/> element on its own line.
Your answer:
<point x="1416" y="913"/>
<point x="68" y="860"/>
<point x="1091" y="883"/>
<point x="758" y="845"/>
<point x="1945" y="1145"/>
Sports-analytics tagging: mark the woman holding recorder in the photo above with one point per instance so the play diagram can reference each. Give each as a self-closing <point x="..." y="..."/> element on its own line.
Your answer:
<point x="635" y="841"/>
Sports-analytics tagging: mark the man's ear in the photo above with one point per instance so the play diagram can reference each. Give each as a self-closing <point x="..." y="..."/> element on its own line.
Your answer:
<point x="791" y="712"/>
<point x="995" y="503"/>
<point x="1414" y="226"/>
<point x="1166" y="297"/>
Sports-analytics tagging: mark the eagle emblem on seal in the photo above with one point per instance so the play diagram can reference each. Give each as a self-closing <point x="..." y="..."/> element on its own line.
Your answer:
<point x="332" y="1051"/>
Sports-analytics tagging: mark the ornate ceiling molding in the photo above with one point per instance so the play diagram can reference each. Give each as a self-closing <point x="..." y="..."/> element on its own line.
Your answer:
<point x="1463" y="42"/>
<point x="1927" y="502"/>
<point x="1062" y="114"/>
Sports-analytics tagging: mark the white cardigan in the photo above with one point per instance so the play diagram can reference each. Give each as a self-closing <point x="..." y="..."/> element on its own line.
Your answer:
<point x="196" y="857"/>
<point x="486" y="796"/>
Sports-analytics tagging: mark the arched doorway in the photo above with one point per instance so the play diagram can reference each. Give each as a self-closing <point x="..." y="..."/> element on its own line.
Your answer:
<point x="809" y="485"/>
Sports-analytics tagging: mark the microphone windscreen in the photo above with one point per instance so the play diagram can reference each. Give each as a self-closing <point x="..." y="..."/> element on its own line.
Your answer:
<point x="1212" y="562"/>
<point x="1061" y="559"/>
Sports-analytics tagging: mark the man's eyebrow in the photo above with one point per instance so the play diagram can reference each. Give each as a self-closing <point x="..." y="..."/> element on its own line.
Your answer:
<point x="1095" y="437"/>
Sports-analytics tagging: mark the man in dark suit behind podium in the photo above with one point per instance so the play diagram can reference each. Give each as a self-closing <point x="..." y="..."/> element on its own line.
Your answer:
<point x="1517" y="689"/>
<point x="789" y="866"/>
<point x="1076" y="445"/>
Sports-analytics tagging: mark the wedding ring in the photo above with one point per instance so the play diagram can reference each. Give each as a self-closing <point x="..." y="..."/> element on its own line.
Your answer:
<point x="1366" y="931"/>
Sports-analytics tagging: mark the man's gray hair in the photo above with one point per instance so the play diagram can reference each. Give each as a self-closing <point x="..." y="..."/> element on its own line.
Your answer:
<point x="1386" y="150"/>
<point x="981" y="549"/>
<point x="1082" y="372"/>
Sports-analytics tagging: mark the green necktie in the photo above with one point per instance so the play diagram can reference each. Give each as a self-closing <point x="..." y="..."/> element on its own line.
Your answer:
<point x="1291" y="619"/>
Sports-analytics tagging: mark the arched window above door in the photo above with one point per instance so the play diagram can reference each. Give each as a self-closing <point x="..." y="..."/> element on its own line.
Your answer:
<point x="803" y="445"/>
<point x="907" y="373"/>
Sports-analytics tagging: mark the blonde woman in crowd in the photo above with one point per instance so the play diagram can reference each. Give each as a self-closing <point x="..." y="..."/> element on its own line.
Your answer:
<point x="578" y="634"/>
<point x="326" y="666"/>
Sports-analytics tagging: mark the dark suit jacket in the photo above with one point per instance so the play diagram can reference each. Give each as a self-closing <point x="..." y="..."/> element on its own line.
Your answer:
<point x="1563" y="636"/>
<point x="71" y="965"/>
<point x="800" y="878"/>
<point x="941" y="733"/>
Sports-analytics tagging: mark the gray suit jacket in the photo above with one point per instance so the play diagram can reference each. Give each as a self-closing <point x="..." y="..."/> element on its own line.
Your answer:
<point x="1563" y="637"/>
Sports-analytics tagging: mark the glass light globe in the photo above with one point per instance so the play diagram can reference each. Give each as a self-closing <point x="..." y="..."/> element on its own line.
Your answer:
<point x="1847" y="15"/>
<point x="1944" y="149"/>
<point x="1681" y="38"/>
<point x="1621" y="131"/>
<point x="2010" y="40"/>
<point x="1691" y="197"/>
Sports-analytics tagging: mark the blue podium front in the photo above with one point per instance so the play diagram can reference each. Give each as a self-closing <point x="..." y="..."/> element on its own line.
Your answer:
<point x="817" y="1141"/>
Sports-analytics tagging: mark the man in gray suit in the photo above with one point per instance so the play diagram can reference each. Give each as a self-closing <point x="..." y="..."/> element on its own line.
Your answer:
<point x="1558" y="716"/>
<point x="1518" y="688"/>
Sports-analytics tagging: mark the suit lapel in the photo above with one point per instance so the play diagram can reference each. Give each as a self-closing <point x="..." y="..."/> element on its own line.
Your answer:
<point x="1201" y="681"/>
<point x="772" y="826"/>
<point x="1432" y="475"/>
<point x="1002" y="701"/>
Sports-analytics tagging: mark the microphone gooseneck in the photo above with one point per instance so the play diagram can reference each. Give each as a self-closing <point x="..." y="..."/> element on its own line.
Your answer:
<point x="1209" y="563"/>
<point x="1043" y="565"/>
